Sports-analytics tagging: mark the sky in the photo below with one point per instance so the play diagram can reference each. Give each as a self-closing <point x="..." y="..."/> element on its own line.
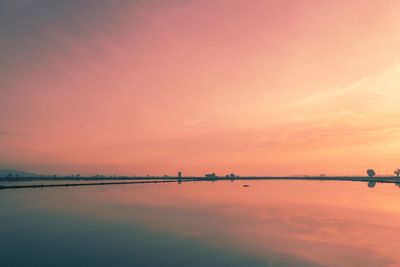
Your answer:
<point x="157" y="87"/>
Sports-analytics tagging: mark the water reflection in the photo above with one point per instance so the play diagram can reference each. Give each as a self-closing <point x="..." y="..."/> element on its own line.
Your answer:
<point x="273" y="223"/>
<point x="371" y="184"/>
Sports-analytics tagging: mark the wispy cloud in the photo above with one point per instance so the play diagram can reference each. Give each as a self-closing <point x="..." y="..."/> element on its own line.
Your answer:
<point x="198" y="121"/>
<point x="366" y="109"/>
<point x="370" y="90"/>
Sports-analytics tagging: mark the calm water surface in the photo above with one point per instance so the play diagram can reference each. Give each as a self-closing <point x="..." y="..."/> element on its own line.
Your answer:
<point x="269" y="223"/>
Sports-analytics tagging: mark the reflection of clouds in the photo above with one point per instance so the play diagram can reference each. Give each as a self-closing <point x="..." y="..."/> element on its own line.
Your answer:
<point x="328" y="234"/>
<point x="190" y="233"/>
<point x="313" y="222"/>
<point x="303" y="224"/>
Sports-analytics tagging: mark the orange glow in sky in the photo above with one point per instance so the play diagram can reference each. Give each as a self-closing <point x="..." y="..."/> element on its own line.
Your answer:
<point x="254" y="88"/>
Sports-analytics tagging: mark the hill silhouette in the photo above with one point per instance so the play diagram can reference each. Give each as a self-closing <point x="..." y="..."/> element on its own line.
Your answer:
<point x="15" y="173"/>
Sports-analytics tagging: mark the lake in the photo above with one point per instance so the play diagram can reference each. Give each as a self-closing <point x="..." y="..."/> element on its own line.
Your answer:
<point x="268" y="223"/>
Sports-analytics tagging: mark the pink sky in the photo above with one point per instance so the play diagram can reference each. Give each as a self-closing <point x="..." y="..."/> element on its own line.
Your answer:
<point x="255" y="88"/>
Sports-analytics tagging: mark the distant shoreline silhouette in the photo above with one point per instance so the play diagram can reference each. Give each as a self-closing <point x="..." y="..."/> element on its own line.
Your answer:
<point x="178" y="179"/>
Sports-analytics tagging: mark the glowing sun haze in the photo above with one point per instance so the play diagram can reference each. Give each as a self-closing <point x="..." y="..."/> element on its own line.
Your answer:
<point x="153" y="87"/>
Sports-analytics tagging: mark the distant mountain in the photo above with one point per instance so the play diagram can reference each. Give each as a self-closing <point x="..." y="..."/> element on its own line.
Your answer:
<point x="15" y="173"/>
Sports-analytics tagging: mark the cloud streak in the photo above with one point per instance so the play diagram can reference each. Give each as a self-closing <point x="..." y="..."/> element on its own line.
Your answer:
<point x="366" y="110"/>
<point x="196" y="122"/>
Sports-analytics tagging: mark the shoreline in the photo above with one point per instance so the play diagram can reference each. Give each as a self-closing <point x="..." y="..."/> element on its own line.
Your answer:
<point x="155" y="180"/>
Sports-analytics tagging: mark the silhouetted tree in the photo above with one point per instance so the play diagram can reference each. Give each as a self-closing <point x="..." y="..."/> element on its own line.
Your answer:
<point x="211" y="175"/>
<point x="371" y="173"/>
<point x="397" y="172"/>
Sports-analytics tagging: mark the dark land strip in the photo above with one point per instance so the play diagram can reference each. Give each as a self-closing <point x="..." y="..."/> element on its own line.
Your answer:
<point x="83" y="181"/>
